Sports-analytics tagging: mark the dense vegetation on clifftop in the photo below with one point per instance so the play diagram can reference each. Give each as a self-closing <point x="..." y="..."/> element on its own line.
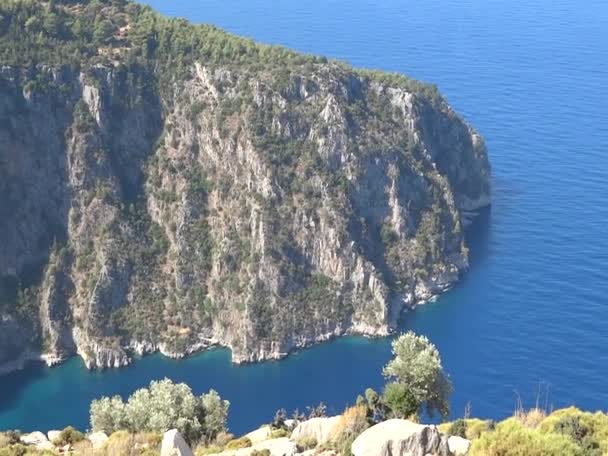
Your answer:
<point x="170" y="186"/>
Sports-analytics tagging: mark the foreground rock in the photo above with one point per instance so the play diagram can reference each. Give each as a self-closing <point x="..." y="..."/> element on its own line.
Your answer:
<point x="459" y="446"/>
<point x="277" y="447"/>
<point x="401" y="438"/>
<point x="53" y="435"/>
<point x="37" y="439"/>
<point x="174" y="445"/>
<point x="97" y="439"/>
<point x="320" y="429"/>
<point x="259" y="435"/>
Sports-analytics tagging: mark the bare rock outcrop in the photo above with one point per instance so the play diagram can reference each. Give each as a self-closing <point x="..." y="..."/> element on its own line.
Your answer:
<point x="174" y="445"/>
<point x="321" y="429"/>
<point x="401" y="438"/>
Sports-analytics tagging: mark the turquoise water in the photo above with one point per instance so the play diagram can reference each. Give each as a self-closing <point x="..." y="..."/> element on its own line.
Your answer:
<point x="533" y="78"/>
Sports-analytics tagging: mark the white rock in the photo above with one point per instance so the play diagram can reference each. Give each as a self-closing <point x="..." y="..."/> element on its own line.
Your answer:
<point x="34" y="438"/>
<point x="277" y="447"/>
<point x="291" y="424"/>
<point x="45" y="446"/>
<point x="400" y="438"/>
<point x="97" y="439"/>
<point x="320" y="429"/>
<point x="52" y="435"/>
<point x="259" y="435"/>
<point x="459" y="446"/>
<point x="174" y="445"/>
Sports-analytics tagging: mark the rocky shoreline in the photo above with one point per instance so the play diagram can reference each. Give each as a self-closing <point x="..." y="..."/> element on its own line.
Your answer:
<point x="104" y="358"/>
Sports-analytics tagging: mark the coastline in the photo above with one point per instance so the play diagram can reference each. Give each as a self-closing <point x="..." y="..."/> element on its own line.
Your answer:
<point x="136" y="349"/>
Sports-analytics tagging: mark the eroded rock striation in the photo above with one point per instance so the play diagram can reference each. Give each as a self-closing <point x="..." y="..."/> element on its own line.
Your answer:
<point x="258" y="199"/>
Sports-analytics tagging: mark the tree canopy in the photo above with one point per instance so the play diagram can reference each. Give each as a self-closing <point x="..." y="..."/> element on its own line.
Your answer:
<point x="162" y="406"/>
<point x="417" y="366"/>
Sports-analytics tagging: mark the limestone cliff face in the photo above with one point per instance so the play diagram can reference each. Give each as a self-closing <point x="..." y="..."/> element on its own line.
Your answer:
<point x="241" y="207"/>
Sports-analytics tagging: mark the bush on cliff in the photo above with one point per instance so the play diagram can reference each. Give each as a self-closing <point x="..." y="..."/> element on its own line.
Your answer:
<point x="68" y="436"/>
<point x="351" y="424"/>
<point x="163" y="406"/>
<point x="512" y="438"/>
<point x="417" y="366"/>
<point x="400" y="401"/>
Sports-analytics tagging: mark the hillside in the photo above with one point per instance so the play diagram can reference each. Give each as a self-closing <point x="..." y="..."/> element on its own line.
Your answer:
<point x="167" y="186"/>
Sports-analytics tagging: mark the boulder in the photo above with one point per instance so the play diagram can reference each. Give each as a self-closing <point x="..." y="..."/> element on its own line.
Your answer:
<point x="97" y="439"/>
<point x="46" y="445"/>
<point x="458" y="445"/>
<point x="259" y="435"/>
<point x="37" y="439"/>
<point x="53" y="435"/>
<point x="277" y="447"/>
<point x="174" y="445"/>
<point x="401" y="438"/>
<point x="320" y="429"/>
<point x="291" y="424"/>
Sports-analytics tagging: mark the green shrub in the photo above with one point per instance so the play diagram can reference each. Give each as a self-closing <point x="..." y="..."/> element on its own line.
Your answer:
<point x="306" y="443"/>
<point x="459" y="428"/>
<point x="264" y="452"/>
<point x="68" y="436"/>
<point x="476" y="427"/>
<point x="243" y="442"/>
<point x="512" y="438"/>
<point x="588" y="430"/>
<point x="278" y="433"/>
<point x="399" y="400"/>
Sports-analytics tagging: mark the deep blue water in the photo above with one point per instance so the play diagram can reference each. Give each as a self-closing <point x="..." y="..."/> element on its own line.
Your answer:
<point x="532" y="77"/>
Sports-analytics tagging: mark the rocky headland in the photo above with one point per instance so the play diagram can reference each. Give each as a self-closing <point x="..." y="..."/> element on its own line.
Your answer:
<point x="170" y="187"/>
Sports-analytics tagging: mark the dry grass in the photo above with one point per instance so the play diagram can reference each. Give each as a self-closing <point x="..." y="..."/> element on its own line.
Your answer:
<point x="532" y="418"/>
<point x="122" y="443"/>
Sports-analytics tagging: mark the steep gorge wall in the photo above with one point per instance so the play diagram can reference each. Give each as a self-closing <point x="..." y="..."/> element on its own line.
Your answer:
<point x="235" y="207"/>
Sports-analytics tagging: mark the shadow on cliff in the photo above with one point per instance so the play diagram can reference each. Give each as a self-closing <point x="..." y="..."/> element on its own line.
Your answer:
<point x="477" y="236"/>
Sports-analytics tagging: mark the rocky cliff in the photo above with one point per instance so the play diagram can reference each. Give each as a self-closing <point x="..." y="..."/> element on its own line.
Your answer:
<point x="154" y="198"/>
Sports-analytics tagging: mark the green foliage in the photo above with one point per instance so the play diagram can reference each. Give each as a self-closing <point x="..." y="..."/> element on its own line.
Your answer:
<point x="400" y="400"/>
<point x="68" y="436"/>
<point x="417" y="365"/>
<point x="588" y="430"/>
<point x="511" y="438"/>
<point x="306" y="443"/>
<point x="459" y="428"/>
<point x="388" y="235"/>
<point x="163" y="406"/>
<point x="264" y="452"/>
<point x="278" y="433"/>
<point x="243" y="442"/>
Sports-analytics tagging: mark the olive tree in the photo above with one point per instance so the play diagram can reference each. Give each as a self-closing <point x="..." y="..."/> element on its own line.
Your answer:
<point x="417" y="366"/>
<point x="399" y="400"/>
<point x="163" y="406"/>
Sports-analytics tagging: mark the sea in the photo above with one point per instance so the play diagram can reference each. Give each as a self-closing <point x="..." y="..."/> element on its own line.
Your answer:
<point x="528" y="323"/>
